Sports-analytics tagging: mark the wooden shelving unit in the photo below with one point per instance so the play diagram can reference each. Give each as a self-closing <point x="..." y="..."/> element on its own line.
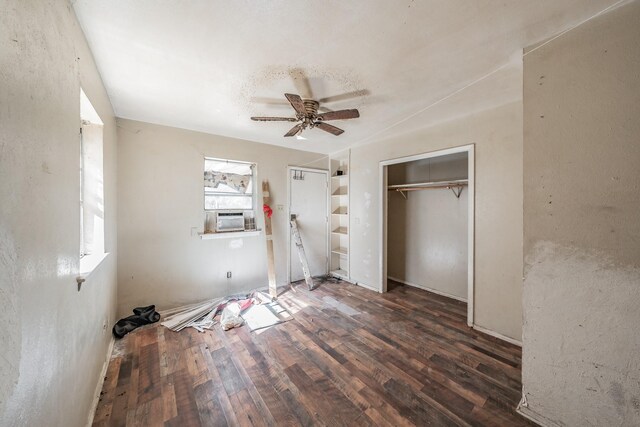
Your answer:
<point x="339" y="263"/>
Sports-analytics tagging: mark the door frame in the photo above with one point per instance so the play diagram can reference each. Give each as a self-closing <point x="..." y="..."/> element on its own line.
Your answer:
<point x="383" y="205"/>
<point x="326" y="174"/>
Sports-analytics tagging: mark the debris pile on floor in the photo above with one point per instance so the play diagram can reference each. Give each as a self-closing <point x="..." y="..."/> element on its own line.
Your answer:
<point x="257" y="308"/>
<point x="141" y="316"/>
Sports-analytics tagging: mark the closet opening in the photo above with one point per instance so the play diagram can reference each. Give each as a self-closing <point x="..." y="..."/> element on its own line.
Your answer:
<point x="427" y="227"/>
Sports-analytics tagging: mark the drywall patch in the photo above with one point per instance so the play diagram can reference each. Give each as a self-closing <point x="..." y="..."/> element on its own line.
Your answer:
<point x="366" y="261"/>
<point x="10" y="333"/>
<point x="367" y="200"/>
<point x="236" y="244"/>
<point x="580" y="334"/>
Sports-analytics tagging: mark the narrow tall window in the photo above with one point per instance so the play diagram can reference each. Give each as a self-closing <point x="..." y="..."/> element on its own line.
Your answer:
<point x="91" y="186"/>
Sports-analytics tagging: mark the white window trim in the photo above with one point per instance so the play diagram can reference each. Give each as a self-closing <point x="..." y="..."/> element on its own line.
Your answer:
<point x="254" y="190"/>
<point x="89" y="263"/>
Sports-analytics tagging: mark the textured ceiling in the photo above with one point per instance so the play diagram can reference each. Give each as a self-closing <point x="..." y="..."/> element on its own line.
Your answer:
<point x="208" y="65"/>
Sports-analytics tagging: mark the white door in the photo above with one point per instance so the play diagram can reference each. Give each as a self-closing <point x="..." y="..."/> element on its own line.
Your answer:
<point x="308" y="201"/>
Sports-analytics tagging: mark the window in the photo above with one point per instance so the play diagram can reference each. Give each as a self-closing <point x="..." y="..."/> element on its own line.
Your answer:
<point x="91" y="187"/>
<point x="228" y="185"/>
<point x="229" y="189"/>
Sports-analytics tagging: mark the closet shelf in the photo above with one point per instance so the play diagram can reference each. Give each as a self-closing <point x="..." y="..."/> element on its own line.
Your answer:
<point x="340" y="230"/>
<point x="339" y="273"/>
<point x="340" y="211"/>
<point x="341" y="251"/>
<point x="454" y="185"/>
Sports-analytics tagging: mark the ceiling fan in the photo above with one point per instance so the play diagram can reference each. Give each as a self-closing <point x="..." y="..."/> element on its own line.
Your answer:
<point x="307" y="116"/>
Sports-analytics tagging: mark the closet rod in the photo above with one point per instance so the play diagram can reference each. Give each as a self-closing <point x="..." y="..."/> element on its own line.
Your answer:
<point x="430" y="184"/>
<point x="457" y="184"/>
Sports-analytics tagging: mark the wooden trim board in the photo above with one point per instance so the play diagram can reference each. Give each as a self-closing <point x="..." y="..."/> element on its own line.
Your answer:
<point x="271" y="267"/>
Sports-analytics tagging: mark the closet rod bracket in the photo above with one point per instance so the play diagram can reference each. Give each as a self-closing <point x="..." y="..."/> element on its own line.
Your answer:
<point x="457" y="191"/>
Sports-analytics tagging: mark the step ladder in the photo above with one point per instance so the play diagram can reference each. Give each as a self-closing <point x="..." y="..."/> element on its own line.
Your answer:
<point x="303" y="257"/>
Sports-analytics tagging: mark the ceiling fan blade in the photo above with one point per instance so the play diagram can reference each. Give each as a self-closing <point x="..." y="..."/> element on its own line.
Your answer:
<point x="345" y="96"/>
<point x="294" y="130"/>
<point x="296" y="103"/>
<point x="268" y="101"/>
<point x="340" y="115"/>
<point x="301" y="82"/>
<point x="329" y="128"/>
<point x="274" y="119"/>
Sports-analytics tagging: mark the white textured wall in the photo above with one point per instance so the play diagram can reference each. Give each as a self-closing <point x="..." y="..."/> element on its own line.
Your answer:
<point x="427" y="230"/>
<point x="160" y="197"/>
<point x="497" y="133"/>
<point x="52" y="344"/>
<point x="581" y="363"/>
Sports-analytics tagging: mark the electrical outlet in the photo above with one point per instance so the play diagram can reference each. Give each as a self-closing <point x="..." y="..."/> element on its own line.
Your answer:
<point x="228" y="275"/>
<point x="280" y="208"/>
<point x="105" y="325"/>
<point x="194" y="231"/>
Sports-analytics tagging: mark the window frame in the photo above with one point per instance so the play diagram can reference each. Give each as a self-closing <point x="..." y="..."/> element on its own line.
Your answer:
<point x="92" y="245"/>
<point x="254" y="180"/>
<point x="83" y="249"/>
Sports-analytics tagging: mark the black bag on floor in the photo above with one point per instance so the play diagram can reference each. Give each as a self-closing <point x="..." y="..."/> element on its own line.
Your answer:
<point x="141" y="316"/>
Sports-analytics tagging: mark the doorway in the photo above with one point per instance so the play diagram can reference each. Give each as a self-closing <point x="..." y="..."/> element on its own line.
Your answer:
<point x="308" y="201"/>
<point x="432" y="195"/>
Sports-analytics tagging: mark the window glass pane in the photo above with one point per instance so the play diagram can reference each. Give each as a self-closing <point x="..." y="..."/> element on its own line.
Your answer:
<point x="222" y="176"/>
<point x="227" y="202"/>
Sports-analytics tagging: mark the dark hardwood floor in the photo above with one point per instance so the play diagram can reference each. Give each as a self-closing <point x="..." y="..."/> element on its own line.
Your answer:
<point x="349" y="357"/>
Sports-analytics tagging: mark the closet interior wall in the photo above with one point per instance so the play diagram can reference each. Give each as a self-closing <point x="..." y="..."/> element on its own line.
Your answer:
<point x="427" y="228"/>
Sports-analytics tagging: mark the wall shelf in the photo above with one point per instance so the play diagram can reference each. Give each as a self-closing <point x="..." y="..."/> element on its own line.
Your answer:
<point x="229" y="234"/>
<point x="339" y="221"/>
<point x="340" y="273"/>
<point x="340" y="211"/>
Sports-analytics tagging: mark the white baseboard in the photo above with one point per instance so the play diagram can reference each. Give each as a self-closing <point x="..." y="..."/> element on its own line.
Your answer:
<point x="425" y="288"/>
<point x="497" y="335"/>
<point x="98" y="390"/>
<point x="364" y="285"/>
<point x="476" y="327"/>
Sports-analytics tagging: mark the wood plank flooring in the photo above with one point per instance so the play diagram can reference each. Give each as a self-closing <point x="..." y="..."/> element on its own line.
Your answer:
<point x="349" y="357"/>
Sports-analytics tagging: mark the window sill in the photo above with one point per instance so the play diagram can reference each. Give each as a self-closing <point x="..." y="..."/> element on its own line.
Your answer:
<point x="89" y="264"/>
<point x="229" y="234"/>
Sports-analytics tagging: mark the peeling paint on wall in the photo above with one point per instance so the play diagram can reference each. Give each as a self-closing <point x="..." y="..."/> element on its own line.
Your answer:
<point x="10" y="335"/>
<point x="581" y="294"/>
<point x="588" y="348"/>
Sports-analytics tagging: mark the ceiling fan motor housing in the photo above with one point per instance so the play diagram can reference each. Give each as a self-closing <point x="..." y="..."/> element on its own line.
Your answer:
<point x="311" y="106"/>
